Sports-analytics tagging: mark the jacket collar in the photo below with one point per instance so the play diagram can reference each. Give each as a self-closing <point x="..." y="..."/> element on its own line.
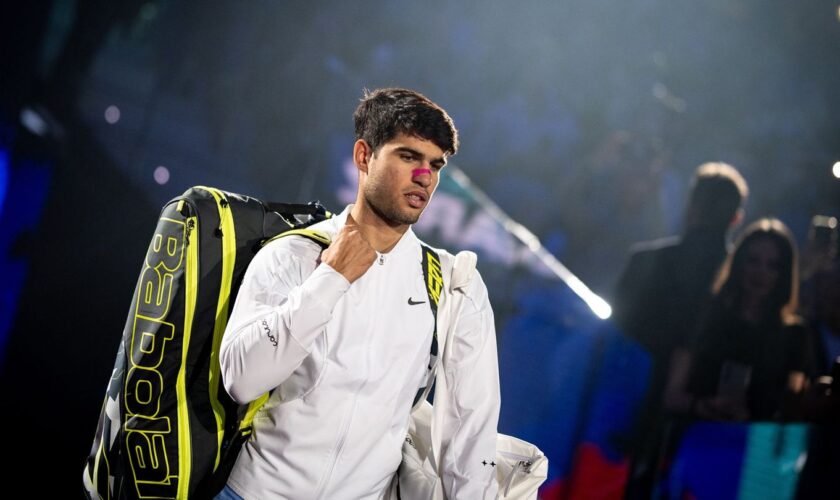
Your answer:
<point x="408" y="241"/>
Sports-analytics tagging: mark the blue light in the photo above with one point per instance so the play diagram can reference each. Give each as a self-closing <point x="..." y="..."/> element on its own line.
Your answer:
<point x="4" y="177"/>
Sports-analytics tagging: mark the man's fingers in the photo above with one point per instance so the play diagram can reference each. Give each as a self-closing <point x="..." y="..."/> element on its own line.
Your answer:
<point x="350" y="254"/>
<point x="351" y="227"/>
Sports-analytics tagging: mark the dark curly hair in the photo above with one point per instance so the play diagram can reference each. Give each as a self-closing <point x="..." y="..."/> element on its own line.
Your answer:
<point x="384" y="113"/>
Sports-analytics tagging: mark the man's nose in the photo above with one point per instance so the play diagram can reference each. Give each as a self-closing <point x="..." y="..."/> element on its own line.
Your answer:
<point x="422" y="176"/>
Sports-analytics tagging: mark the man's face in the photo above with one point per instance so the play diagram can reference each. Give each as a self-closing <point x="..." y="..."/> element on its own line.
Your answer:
<point x="401" y="178"/>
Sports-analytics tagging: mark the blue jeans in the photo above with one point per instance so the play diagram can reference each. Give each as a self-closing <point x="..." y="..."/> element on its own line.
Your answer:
<point x="227" y="494"/>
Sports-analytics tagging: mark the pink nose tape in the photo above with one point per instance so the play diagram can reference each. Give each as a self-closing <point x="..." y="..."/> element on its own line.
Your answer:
<point x="420" y="171"/>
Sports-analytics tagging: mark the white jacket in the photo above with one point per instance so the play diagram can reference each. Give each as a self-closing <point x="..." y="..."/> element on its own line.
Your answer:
<point x="345" y="362"/>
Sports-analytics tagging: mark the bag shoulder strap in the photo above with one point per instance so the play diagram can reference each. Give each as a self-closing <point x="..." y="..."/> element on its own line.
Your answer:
<point x="460" y="274"/>
<point x="433" y="277"/>
<point x="314" y="208"/>
<point x="318" y="237"/>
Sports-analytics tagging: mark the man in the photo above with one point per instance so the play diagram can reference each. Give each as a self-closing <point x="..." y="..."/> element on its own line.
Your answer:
<point x="664" y="288"/>
<point x="343" y="337"/>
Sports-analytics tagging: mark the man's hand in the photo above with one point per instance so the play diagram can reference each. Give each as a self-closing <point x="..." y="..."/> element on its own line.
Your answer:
<point x="349" y="253"/>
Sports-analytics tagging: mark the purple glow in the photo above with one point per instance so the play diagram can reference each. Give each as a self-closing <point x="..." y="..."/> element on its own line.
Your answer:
<point x="112" y="114"/>
<point x="161" y="175"/>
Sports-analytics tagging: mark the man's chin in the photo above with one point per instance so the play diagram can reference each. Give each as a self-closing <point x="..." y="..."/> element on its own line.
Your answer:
<point x="398" y="216"/>
<point x="409" y="219"/>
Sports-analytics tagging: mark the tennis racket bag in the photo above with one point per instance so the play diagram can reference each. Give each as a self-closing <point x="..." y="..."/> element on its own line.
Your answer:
<point x="167" y="428"/>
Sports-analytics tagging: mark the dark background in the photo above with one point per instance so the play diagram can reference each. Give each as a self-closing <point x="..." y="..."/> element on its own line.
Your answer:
<point x="582" y="119"/>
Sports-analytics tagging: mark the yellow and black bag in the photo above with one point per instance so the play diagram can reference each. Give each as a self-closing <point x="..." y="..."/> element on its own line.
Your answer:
<point x="167" y="428"/>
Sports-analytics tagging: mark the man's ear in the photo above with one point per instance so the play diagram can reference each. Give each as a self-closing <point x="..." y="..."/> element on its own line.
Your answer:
<point x="361" y="154"/>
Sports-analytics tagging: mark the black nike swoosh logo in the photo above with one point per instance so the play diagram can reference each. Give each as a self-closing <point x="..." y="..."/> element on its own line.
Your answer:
<point x="412" y="303"/>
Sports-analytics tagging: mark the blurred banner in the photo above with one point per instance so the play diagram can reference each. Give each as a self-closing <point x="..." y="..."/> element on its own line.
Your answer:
<point x="717" y="460"/>
<point x="24" y="182"/>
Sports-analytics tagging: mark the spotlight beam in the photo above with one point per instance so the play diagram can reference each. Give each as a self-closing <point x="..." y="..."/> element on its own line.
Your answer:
<point x="598" y="305"/>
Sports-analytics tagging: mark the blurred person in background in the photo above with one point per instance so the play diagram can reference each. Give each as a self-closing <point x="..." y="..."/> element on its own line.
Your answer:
<point x="825" y="340"/>
<point x="663" y="289"/>
<point x="749" y="359"/>
<point x="822" y="402"/>
<point x="818" y="256"/>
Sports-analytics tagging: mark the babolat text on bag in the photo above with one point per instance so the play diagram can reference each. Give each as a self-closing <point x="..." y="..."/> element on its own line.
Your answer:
<point x="167" y="428"/>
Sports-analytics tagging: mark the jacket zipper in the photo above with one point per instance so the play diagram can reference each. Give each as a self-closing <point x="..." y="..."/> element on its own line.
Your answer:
<point x="342" y="438"/>
<point x="346" y="428"/>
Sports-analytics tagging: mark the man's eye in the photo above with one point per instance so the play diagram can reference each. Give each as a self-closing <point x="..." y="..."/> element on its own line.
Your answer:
<point x="407" y="157"/>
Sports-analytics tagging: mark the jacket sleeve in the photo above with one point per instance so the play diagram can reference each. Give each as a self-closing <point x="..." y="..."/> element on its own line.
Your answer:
<point x="282" y="307"/>
<point x="468" y="447"/>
